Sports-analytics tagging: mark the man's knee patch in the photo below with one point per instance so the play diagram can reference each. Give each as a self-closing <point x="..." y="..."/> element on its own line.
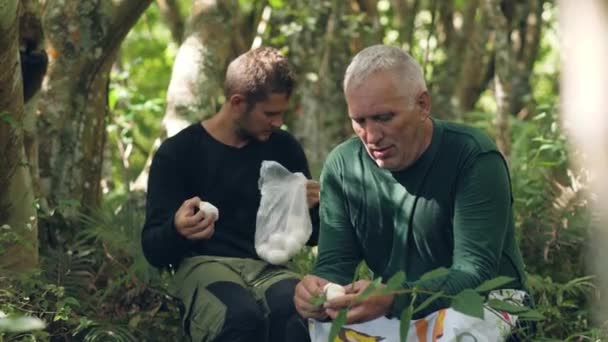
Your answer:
<point x="203" y="316"/>
<point x="242" y="311"/>
<point x="279" y="297"/>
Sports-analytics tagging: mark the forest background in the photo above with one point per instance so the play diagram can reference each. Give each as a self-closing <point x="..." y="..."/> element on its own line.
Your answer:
<point x="124" y="75"/>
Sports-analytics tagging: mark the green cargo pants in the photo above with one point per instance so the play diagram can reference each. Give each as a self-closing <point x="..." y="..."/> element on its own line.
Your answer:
<point x="204" y="314"/>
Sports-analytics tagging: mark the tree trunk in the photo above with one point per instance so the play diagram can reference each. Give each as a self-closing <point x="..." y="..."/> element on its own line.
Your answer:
<point x="18" y="225"/>
<point x="502" y="77"/>
<point x="198" y="72"/>
<point x="83" y="38"/>
<point x="310" y="128"/>
<point x="584" y="103"/>
<point x="526" y="31"/>
<point x="172" y="16"/>
<point x="454" y="42"/>
<point x="405" y="15"/>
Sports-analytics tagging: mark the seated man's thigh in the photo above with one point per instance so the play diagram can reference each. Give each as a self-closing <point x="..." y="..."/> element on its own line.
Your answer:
<point x="277" y="292"/>
<point x="217" y="304"/>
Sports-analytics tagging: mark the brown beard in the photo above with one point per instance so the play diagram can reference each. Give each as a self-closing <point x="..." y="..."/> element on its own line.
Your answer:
<point x="241" y="123"/>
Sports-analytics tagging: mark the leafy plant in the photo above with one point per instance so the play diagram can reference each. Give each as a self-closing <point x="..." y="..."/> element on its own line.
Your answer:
<point x="469" y="301"/>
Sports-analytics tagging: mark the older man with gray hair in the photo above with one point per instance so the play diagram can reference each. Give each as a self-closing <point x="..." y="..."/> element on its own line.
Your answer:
<point x="410" y="193"/>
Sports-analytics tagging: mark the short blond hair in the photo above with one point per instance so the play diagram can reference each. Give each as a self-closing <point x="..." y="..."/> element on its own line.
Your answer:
<point x="258" y="73"/>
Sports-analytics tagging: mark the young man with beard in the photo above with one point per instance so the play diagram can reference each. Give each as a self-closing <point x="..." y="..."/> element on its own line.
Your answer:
<point x="228" y="293"/>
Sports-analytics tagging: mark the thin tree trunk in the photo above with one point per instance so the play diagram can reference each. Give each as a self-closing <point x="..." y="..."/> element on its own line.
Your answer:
<point x="454" y="41"/>
<point x="31" y="36"/>
<point x="502" y="79"/>
<point x="309" y="127"/>
<point x="171" y="13"/>
<point x="527" y="31"/>
<point x="18" y="225"/>
<point x="83" y="36"/>
<point x="405" y="15"/>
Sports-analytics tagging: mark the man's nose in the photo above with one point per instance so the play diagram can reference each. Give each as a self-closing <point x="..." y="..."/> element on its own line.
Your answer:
<point x="277" y="121"/>
<point x="373" y="133"/>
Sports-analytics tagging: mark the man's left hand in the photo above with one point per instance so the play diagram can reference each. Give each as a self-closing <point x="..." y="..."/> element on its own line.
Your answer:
<point x="359" y="311"/>
<point x="312" y="193"/>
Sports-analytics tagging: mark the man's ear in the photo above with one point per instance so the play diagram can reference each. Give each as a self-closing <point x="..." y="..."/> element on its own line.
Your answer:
<point x="237" y="101"/>
<point x="423" y="102"/>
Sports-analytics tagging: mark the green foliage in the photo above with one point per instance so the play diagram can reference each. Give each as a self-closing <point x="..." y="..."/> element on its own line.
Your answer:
<point x="552" y="213"/>
<point x="96" y="284"/>
<point x="304" y="261"/>
<point x="7" y="118"/>
<point x="491" y="284"/>
<point x="566" y="316"/>
<point x="404" y="325"/>
<point x="96" y="287"/>
<point x="470" y="302"/>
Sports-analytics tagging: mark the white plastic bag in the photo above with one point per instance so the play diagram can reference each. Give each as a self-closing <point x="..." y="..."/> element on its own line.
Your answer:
<point x="283" y="222"/>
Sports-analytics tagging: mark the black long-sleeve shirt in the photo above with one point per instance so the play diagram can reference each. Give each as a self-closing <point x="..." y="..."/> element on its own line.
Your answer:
<point x="193" y="163"/>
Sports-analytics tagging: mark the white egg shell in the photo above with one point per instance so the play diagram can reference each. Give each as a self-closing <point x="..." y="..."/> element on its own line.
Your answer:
<point x="262" y="249"/>
<point x="333" y="291"/>
<point x="277" y="257"/>
<point x="301" y="236"/>
<point x="292" y="245"/>
<point x="209" y="209"/>
<point x="276" y="240"/>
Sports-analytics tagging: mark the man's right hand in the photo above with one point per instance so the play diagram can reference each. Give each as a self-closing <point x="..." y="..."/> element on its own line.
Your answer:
<point x="191" y="223"/>
<point x="309" y="288"/>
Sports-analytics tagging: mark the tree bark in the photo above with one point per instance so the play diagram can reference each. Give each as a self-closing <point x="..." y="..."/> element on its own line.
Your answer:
<point x="172" y="16"/>
<point x="18" y="224"/>
<point x="198" y="72"/>
<point x="405" y="15"/>
<point x="83" y="38"/>
<point x="526" y="30"/>
<point x="454" y="41"/>
<point x="502" y="77"/>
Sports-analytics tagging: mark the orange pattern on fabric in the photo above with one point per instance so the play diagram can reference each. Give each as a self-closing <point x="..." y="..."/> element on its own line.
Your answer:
<point x="421" y="328"/>
<point x="438" y="329"/>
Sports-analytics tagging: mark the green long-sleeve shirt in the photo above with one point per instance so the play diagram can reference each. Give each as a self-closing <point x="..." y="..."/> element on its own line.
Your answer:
<point x="452" y="208"/>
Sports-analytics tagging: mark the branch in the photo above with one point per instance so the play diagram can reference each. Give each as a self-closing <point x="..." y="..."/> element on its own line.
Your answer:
<point x="170" y="11"/>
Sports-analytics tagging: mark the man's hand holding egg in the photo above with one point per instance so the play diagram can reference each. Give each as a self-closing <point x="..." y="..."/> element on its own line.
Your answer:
<point x="333" y="290"/>
<point x="195" y="219"/>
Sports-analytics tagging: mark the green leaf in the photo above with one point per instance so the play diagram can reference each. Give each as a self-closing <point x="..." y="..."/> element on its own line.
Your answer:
<point x="436" y="273"/>
<point x="276" y="3"/>
<point x="531" y="315"/>
<point x="318" y="300"/>
<point x="373" y="286"/>
<point x="493" y="283"/>
<point x="502" y="305"/>
<point x="337" y="325"/>
<point x="404" y="323"/>
<point x="357" y="272"/>
<point x="469" y="303"/>
<point x="394" y="283"/>
<point x="71" y="301"/>
<point x="6" y="117"/>
<point x="428" y="301"/>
